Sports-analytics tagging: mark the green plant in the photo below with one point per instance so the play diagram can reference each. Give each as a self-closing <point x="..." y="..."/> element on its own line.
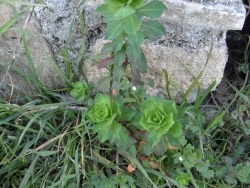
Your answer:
<point x="182" y="178"/>
<point x="80" y="90"/>
<point x="104" y="115"/>
<point x="159" y="117"/>
<point x="127" y="31"/>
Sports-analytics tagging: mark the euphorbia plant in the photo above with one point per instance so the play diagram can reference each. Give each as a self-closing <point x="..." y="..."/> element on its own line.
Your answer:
<point x="127" y="31"/>
<point x="158" y="117"/>
<point x="79" y="91"/>
<point x="104" y="115"/>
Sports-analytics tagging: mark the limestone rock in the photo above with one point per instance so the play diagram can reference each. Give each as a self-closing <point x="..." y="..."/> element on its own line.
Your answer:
<point x="12" y="53"/>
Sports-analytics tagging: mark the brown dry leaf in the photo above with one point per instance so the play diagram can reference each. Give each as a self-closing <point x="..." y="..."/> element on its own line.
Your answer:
<point x="131" y="168"/>
<point x="154" y="165"/>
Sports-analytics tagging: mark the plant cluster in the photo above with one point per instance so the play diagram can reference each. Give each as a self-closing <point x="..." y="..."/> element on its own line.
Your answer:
<point x="123" y="138"/>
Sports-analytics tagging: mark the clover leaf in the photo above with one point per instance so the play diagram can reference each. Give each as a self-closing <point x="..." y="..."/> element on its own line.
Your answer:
<point x="158" y="117"/>
<point x="79" y="91"/>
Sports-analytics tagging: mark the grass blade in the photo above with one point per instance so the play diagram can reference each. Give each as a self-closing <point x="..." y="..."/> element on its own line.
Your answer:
<point x="29" y="172"/>
<point x="11" y="21"/>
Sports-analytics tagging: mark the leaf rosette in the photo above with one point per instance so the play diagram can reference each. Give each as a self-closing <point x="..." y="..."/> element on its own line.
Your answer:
<point x="158" y="117"/>
<point x="104" y="110"/>
<point x="182" y="178"/>
<point x="103" y="115"/>
<point x="79" y="90"/>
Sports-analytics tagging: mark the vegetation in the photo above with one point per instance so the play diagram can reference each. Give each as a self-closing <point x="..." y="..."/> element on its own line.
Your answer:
<point x="77" y="136"/>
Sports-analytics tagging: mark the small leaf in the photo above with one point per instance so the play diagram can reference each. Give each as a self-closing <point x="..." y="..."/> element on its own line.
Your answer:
<point x="176" y="130"/>
<point x="137" y="3"/>
<point x="124" y="141"/>
<point x="114" y="28"/>
<point x="153" y="9"/>
<point x="124" y="12"/>
<point x="118" y="43"/>
<point x="142" y="63"/>
<point x="127" y="114"/>
<point x="107" y="10"/>
<point x="46" y="153"/>
<point x="153" y="29"/>
<point x="136" y="39"/>
<point x="132" y="24"/>
<point x="153" y="137"/>
<point x="120" y="57"/>
<point x="105" y="133"/>
<point x="133" y="54"/>
<point x="137" y="58"/>
<point x="118" y="73"/>
<point x="117" y="2"/>
<point x="107" y="48"/>
<point x="104" y="83"/>
<point x="104" y="63"/>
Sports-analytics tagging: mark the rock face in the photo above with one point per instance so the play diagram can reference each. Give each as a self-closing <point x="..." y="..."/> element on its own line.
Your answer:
<point x="191" y="25"/>
<point x="13" y="56"/>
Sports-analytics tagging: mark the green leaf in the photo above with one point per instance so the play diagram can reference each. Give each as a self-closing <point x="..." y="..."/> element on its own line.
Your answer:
<point x="137" y="58"/>
<point x="124" y="12"/>
<point x="5" y="27"/>
<point x="136" y="39"/>
<point x="46" y="153"/>
<point x="107" y="48"/>
<point x="153" y="29"/>
<point x="120" y="57"/>
<point x="105" y="133"/>
<point x="127" y="114"/>
<point x="142" y="63"/>
<point x="29" y="172"/>
<point x="132" y="24"/>
<point x="153" y="9"/>
<point x="137" y="3"/>
<point x="133" y="54"/>
<point x="145" y="148"/>
<point x="108" y="10"/>
<point x="169" y="106"/>
<point x="153" y="137"/>
<point x="104" y="83"/>
<point x="115" y="108"/>
<point x="243" y="172"/>
<point x="114" y="28"/>
<point x="175" y="130"/>
<point x="124" y="140"/>
<point x="118" y="43"/>
<point x="161" y="147"/>
<point x="118" y="74"/>
<point x="102" y="98"/>
<point x="117" y="2"/>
